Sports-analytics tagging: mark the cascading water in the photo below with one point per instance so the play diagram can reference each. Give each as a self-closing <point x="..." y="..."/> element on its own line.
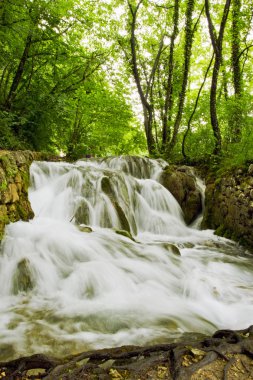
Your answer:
<point x="65" y="289"/>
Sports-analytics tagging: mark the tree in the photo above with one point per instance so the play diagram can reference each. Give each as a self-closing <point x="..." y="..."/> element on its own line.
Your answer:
<point x="217" y="42"/>
<point x="48" y="73"/>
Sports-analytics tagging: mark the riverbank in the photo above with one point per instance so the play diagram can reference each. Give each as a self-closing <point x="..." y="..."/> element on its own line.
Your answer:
<point x="226" y="355"/>
<point x="229" y="204"/>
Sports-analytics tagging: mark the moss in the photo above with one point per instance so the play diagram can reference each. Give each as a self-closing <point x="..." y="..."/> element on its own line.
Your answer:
<point x="4" y="219"/>
<point x="12" y="213"/>
<point x="223" y="231"/>
<point x="3" y="185"/>
<point x="25" y="179"/>
<point x="23" y="278"/>
<point x="9" y="165"/>
<point x="21" y="211"/>
<point x="170" y="169"/>
<point x="217" y="182"/>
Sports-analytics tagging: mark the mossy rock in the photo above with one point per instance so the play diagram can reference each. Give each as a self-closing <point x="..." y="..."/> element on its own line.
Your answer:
<point x="9" y="165"/>
<point x="23" y="280"/>
<point x="125" y="233"/>
<point x="172" y="248"/>
<point x="86" y="229"/>
<point x="108" y="190"/>
<point x="82" y="214"/>
<point x="182" y="185"/>
<point x="107" y="187"/>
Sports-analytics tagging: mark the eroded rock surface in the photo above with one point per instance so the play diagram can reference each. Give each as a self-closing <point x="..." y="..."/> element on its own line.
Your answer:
<point x="14" y="183"/>
<point x="229" y="205"/>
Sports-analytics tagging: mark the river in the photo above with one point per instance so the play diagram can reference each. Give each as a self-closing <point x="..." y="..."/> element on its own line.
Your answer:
<point x="66" y="288"/>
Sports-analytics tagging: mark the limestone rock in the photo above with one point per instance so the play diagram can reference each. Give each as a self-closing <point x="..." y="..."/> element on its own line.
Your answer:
<point x="228" y="210"/>
<point x="86" y="229"/>
<point x="14" y="182"/>
<point x="125" y="233"/>
<point x="250" y="170"/>
<point x="107" y="188"/>
<point x="23" y="278"/>
<point x="181" y="183"/>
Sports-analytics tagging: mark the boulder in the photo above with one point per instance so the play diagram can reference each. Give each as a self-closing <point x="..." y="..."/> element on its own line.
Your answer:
<point x="23" y="278"/>
<point x="181" y="182"/>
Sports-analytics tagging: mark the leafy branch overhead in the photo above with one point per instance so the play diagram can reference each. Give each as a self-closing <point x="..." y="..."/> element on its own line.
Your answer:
<point x="127" y="76"/>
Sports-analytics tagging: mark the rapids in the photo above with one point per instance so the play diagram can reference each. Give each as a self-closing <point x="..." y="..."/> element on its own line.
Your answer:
<point x="65" y="289"/>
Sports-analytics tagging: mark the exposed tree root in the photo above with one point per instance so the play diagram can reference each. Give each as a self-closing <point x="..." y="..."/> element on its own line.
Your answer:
<point x="227" y="355"/>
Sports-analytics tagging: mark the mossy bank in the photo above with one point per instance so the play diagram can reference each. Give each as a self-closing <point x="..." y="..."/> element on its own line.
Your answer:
<point x="229" y="204"/>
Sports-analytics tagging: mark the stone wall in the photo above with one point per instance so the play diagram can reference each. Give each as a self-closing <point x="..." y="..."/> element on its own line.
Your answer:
<point x="14" y="183"/>
<point x="229" y="205"/>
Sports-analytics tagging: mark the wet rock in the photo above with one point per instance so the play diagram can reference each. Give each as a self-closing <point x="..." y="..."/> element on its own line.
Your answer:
<point x="85" y="229"/>
<point x="124" y="233"/>
<point x="172" y="248"/>
<point x="82" y="214"/>
<point x="23" y="278"/>
<point x="107" y="188"/>
<point x="181" y="183"/>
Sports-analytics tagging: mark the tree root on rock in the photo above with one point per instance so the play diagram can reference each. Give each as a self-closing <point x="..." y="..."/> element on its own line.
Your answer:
<point x="227" y="355"/>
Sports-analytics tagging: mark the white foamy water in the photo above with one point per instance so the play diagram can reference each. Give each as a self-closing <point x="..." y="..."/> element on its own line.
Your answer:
<point x="64" y="290"/>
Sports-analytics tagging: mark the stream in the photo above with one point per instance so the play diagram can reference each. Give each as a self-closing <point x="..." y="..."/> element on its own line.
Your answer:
<point x="67" y="288"/>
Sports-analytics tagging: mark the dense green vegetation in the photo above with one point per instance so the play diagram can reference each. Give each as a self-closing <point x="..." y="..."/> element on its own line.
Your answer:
<point x="168" y="78"/>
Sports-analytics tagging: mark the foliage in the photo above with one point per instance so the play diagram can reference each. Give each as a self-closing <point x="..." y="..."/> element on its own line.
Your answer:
<point x="71" y="72"/>
<point x="48" y="71"/>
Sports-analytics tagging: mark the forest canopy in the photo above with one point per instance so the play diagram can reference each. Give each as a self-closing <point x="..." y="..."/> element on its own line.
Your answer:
<point x="171" y="79"/>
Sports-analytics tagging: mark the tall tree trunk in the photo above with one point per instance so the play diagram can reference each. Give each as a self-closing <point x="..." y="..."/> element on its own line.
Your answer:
<point x="213" y="107"/>
<point x="194" y="110"/>
<point x="217" y="46"/>
<point x="189" y="31"/>
<point x="19" y="73"/>
<point x="236" y="119"/>
<point x="169" y="89"/>
<point x="147" y="108"/>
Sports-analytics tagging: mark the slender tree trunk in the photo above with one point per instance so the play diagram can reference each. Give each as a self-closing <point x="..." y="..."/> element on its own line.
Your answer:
<point x="236" y="9"/>
<point x="75" y="135"/>
<point x="213" y="107"/>
<point x="19" y="73"/>
<point x="194" y="109"/>
<point x="217" y="46"/>
<point x="169" y="88"/>
<point x="187" y="58"/>
<point x="236" y="120"/>
<point x="147" y="108"/>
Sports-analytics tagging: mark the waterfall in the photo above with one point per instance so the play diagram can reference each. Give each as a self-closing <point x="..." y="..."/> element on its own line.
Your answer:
<point x="136" y="275"/>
